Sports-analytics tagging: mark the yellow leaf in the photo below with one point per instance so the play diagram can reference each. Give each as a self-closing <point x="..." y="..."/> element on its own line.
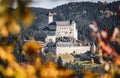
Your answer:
<point x="3" y="54"/>
<point x="49" y="70"/>
<point x="9" y="72"/>
<point x="4" y="31"/>
<point x="13" y="27"/>
<point x="107" y="67"/>
<point x="27" y="20"/>
<point x="3" y="20"/>
<point x="32" y="48"/>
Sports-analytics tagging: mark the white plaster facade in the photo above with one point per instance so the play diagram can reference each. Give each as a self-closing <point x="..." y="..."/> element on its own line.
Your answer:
<point x="66" y="30"/>
<point x="76" y="49"/>
<point x="50" y="18"/>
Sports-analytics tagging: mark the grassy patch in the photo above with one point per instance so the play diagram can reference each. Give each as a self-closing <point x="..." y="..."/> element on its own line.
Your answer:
<point x="79" y="66"/>
<point x="67" y="56"/>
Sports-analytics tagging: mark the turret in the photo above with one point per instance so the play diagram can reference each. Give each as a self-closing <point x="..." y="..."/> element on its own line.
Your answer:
<point x="93" y="47"/>
<point x="50" y="18"/>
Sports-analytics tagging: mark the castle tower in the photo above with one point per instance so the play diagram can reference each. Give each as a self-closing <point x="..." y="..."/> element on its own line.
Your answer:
<point x="93" y="47"/>
<point x="50" y="17"/>
<point x="75" y="29"/>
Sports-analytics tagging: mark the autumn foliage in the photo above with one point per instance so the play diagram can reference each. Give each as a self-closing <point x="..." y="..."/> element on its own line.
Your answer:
<point x="32" y="49"/>
<point x="105" y="49"/>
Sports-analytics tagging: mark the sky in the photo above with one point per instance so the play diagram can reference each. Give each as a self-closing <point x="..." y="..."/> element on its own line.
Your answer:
<point x="49" y="4"/>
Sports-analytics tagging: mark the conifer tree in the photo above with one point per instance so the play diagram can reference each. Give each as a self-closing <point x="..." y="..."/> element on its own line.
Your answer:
<point x="60" y="61"/>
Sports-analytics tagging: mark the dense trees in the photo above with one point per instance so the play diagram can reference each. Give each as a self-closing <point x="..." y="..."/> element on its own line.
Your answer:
<point x="83" y="13"/>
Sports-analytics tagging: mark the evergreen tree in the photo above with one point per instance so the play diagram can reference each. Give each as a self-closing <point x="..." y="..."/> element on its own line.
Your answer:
<point x="60" y="61"/>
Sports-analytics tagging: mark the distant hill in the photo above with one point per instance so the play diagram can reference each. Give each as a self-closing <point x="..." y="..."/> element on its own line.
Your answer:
<point x="83" y="13"/>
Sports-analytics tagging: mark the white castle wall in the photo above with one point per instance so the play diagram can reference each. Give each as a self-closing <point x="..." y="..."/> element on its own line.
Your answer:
<point x="50" y="19"/>
<point x="66" y="31"/>
<point x="77" y="49"/>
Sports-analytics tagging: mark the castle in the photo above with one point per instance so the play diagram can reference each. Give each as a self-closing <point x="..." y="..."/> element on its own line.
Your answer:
<point x="62" y="37"/>
<point x="60" y="29"/>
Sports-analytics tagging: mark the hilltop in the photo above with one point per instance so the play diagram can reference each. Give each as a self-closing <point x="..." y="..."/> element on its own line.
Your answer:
<point x="84" y="13"/>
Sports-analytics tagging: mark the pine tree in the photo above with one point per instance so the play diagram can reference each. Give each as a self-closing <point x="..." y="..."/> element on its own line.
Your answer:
<point x="60" y="61"/>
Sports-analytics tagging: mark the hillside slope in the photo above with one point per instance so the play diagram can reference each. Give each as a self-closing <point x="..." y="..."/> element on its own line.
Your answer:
<point x="83" y="13"/>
